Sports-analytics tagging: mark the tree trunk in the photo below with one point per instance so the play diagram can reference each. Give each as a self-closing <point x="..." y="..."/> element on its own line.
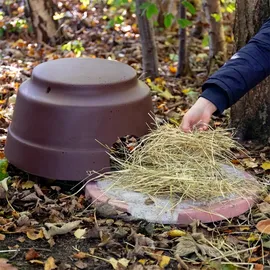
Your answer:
<point x="216" y="32"/>
<point x="149" y="50"/>
<point x="200" y="22"/>
<point x="44" y="26"/>
<point x="251" y="114"/>
<point x="183" y="61"/>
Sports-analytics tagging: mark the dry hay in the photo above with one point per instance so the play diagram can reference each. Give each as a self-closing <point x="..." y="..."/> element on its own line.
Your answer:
<point x="171" y="163"/>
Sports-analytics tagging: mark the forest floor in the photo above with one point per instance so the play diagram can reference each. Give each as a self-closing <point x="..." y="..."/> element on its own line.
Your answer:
<point x="32" y="205"/>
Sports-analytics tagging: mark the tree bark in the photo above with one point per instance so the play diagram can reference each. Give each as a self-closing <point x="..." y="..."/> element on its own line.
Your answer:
<point x="183" y="62"/>
<point x="149" y="50"/>
<point x="216" y="32"/>
<point x="44" y="26"/>
<point x="251" y="114"/>
<point x="200" y="22"/>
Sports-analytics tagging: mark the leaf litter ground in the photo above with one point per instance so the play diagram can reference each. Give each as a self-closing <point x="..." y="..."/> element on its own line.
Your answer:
<point x="43" y="227"/>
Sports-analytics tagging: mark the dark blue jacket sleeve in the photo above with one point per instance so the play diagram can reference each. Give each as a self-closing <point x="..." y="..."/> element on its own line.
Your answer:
<point x="248" y="67"/>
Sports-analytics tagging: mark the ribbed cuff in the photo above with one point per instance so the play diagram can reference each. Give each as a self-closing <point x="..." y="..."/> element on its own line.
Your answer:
<point x="218" y="97"/>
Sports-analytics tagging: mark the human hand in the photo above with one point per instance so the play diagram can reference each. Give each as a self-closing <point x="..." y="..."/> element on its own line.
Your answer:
<point x="199" y="115"/>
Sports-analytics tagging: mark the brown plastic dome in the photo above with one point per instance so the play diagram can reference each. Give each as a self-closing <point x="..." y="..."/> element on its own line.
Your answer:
<point x="68" y="107"/>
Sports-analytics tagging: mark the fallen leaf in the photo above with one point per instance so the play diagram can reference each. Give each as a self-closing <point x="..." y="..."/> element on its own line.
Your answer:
<point x="250" y="163"/>
<point x="263" y="226"/>
<point x="266" y="166"/>
<point x="64" y="229"/>
<point x="244" y="228"/>
<point x="151" y="267"/>
<point x="36" y="261"/>
<point x="50" y="264"/>
<point x="42" y="195"/>
<point x="267" y="198"/>
<point x="2" y="192"/>
<point x="165" y="260"/>
<point x="266" y="244"/>
<point x="81" y="265"/>
<point x="207" y="250"/>
<point x="166" y="94"/>
<point x="34" y="234"/>
<point x="2" y="237"/>
<point x="80" y="255"/>
<point x="159" y="90"/>
<point x="31" y="197"/>
<point x="27" y="185"/>
<point x="142" y="240"/>
<point x="51" y="242"/>
<point x="93" y="233"/>
<point x="21" y="239"/>
<point x="235" y="161"/>
<point x="23" y="220"/>
<point x="176" y="233"/>
<point x="109" y="221"/>
<point x="157" y="255"/>
<point x="92" y="251"/>
<point x="255" y="259"/>
<point x="6" y="266"/>
<point x="142" y="261"/>
<point x="119" y="264"/>
<point x="264" y="207"/>
<point x="4" y="183"/>
<point x="137" y="267"/>
<point x="186" y="246"/>
<point x="253" y="237"/>
<point x="31" y="254"/>
<point x="172" y="69"/>
<point x="258" y="267"/>
<point x="64" y="266"/>
<point x="105" y="237"/>
<point x="79" y="233"/>
<point x="106" y="210"/>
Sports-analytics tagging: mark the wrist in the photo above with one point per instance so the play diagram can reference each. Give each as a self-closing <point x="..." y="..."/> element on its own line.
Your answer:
<point x="218" y="97"/>
<point x="208" y="105"/>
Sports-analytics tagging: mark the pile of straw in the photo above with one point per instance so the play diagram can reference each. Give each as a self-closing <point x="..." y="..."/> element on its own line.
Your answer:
<point x="171" y="163"/>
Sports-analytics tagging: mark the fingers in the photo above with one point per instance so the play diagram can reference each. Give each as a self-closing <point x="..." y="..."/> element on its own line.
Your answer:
<point x="185" y="125"/>
<point x="202" y="126"/>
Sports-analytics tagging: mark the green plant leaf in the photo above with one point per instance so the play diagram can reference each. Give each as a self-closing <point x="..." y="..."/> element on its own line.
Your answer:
<point x="230" y="8"/>
<point x="184" y="23"/>
<point x="168" y="19"/>
<point x="149" y="9"/>
<point x="205" y="41"/>
<point x="216" y="16"/>
<point x="174" y="57"/>
<point x="66" y="47"/>
<point x="2" y="32"/>
<point x="189" y="7"/>
<point x="85" y="2"/>
<point x="266" y="244"/>
<point x="3" y="168"/>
